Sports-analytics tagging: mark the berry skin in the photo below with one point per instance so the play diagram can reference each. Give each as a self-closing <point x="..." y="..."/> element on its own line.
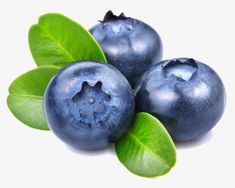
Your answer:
<point x="129" y="44"/>
<point x="187" y="96"/>
<point x="89" y="104"/>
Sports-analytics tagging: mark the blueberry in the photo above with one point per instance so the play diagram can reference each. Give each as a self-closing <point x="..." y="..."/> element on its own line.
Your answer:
<point x="89" y="104"/>
<point x="186" y="95"/>
<point x="129" y="44"/>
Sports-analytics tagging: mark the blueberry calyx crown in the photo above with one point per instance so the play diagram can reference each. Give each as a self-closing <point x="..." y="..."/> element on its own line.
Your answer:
<point x="92" y="105"/>
<point x="109" y="16"/>
<point x="182" y="69"/>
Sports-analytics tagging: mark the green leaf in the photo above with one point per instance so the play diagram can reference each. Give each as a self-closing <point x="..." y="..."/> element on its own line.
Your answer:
<point x="147" y="149"/>
<point x="25" y="98"/>
<point x="58" y="40"/>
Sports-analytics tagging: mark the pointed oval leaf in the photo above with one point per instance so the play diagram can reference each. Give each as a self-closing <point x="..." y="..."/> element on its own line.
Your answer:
<point x="147" y="149"/>
<point x="25" y="98"/>
<point x="58" y="40"/>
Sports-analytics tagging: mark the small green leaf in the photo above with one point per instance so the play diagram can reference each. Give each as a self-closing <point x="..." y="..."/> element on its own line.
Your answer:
<point x="25" y="98"/>
<point x="58" y="40"/>
<point x="147" y="149"/>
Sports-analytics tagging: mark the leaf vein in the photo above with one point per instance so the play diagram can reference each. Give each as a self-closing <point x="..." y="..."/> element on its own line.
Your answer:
<point x="68" y="54"/>
<point x="27" y="96"/>
<point x="147" y="149"/>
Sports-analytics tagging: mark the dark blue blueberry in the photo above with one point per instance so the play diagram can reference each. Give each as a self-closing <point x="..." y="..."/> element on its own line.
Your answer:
<point x="89" y="104"/>
<point x="129" y="44"/>
<point x="187" y="96"/>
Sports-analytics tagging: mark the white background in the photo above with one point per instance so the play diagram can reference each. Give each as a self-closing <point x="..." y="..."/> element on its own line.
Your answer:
<point x="201" y="29"/>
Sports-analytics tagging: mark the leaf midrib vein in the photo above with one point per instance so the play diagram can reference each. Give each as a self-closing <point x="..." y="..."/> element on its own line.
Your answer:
<point x="147" y="149"/>
<point x="58" y="43"/>
<point x="27" y="96"/>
